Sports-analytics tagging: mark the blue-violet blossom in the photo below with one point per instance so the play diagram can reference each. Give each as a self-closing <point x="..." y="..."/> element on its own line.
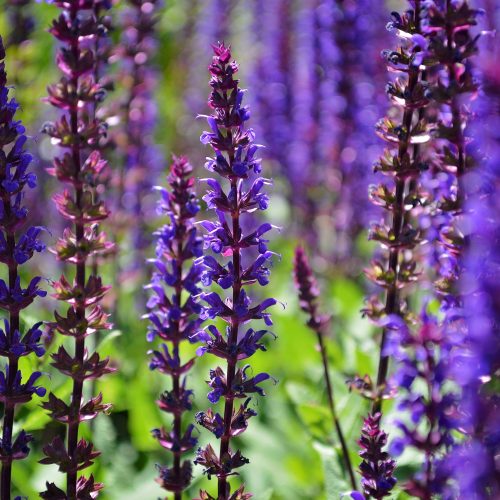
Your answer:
<point x="241" y="259"/>
<point x="17" y="245"/>
<point x="174" y="318"/>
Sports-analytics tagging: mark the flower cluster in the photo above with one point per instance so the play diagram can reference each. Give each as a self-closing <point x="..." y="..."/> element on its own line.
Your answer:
<point x="235" y="161"/>
<point x="422" y="365"/>
<point x="175" y="319"/>
<point x="377" y="467"/>
<point x="403" y="163"/>
<point x="308" y="293"/>
<point x="135" y="138"/>
<point x="272" y="80"/>
<point x="473" y="463"/>
<point x="17" y="245"/>
<point x="80" y="166"/>
<point x="451" y="45"/>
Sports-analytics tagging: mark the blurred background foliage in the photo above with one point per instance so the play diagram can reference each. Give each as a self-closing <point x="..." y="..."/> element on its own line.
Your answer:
<point x="291" y="444"/>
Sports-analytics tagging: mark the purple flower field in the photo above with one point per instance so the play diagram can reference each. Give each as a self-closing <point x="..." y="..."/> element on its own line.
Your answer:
<point x="250" y="249"/>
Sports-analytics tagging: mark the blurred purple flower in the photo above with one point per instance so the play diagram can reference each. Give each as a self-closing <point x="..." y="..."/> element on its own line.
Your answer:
<point x="315" y="102"/>
<point x="139" y="117"/>
<point x="356" y="46"/>
<point x="21" y="21"/>
<point x="473" y="464"/>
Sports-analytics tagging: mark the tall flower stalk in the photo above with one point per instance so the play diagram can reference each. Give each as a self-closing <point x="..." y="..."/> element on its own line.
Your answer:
<point x="352" y="40"/>
<point x="272" y="79"/>
<point x="452" y="45"/>
<point x="402" y="162"/>
<point x="308" y="293"/>
<point x="472" y="464"/>
<point x="174" y="318"/>
<point x="237" y="267"/>
<point x="135" y="138"/>
<point x="18" y="243"/>
<point x="78" y="132"/>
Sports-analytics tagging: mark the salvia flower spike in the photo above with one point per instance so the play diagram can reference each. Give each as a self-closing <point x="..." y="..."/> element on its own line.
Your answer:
<point x="308" y="293"/>
<point x="272" y="79"/>
<point x="18" y="243"/>
<point x="402" y="162"/>
<point x="448" y="27"/>
<point x="351" y="40"/>
<point x="80" y="166"/>
<point x="377" y="466"/>
<point x="174" y="318"/>
<point x="472" y="463"/>
<point x="135" y="139"/>
<point x="427" y="409"/>
<point x="241" y="259"/>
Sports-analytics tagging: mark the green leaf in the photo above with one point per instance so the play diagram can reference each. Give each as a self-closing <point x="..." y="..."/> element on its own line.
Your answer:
<point x="108" y="337"/>
<point x="268" y="494"/>
<point x="335" y="483"/>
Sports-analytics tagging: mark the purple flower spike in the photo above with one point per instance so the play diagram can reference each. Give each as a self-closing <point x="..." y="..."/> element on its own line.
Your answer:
<point x="17" y="246"/>
<point x="241" y="259"/>
<point x="315" y="78"/>
<point x="140" y="155"/>
<point x="79" y="132"/>
<point x="472" y="464"/>
<point x="406" y="133"/>
<point x="423" y="357"/>
<point x="175" y="319"/>
<point x="377" y="467"/>
<point x="452" y="43"/>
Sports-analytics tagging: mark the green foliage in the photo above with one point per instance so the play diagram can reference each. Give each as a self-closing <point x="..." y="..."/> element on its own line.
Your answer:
<point x="335" y="484"/>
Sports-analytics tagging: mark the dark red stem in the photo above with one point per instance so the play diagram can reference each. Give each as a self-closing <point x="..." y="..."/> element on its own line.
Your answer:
<point x="233" y="339"/>
<point x="175" y="376"/>
<point x="333" y="410"/>
<point x="9" y="408"/>
<point x="76" y="397"/>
